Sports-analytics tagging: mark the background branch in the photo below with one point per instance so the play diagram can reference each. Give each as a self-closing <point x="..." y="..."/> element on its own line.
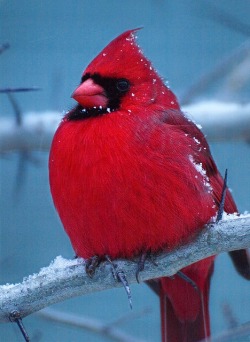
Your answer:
<point x="218" y="72"/>
<point x="108" y="330"/>
<point x="221" y="121"/>
<point x="64" y="279"/>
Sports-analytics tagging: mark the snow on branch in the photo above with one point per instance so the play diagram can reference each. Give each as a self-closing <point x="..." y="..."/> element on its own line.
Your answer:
<point x="34" y="134"/>
<point x="64" y="279"/>
<point x="221" y="121"/>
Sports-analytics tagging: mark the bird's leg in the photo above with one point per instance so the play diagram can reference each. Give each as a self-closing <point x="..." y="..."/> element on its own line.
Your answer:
<point x="140" y="265"/>
<point x="91" y="265"/>
<point x="120" y="276"/>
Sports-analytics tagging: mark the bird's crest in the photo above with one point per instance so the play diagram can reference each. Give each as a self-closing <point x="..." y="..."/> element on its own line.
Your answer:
<point x="122" y="55"/>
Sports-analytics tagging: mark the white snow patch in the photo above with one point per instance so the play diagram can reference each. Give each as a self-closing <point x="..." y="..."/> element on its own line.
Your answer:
<point x="200" y="169"/>
<point x="216" y="111"/>
<point x="197" y="141"/>
<point x="48" y="120"/>
<point x="50" y="272"/>
<point x="228" y="217"/>
<point x="221" y="120"/>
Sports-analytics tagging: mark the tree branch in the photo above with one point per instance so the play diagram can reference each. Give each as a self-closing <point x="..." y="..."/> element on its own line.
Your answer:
<point x="234" y="334"/>
<point x="218" y="72"/>
<point x="108" y="330"/>
<point x="64" y="279"/>
<point x="221" y="121"/>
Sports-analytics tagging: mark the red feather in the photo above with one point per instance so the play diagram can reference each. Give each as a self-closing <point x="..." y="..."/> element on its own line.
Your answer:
<point x="137" y="177"/>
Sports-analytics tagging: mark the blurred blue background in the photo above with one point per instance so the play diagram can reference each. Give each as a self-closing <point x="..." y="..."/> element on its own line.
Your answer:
<point x="51" y="42"/>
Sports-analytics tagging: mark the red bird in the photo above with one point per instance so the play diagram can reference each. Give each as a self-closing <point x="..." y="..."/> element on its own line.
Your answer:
<point x="131" y="174"/>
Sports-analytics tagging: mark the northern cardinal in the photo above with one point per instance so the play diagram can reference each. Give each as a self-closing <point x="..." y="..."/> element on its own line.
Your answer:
<point x="131" y="174"/>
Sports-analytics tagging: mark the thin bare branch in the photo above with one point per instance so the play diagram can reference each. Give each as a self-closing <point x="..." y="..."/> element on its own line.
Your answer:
<point x="4" y="47"/>
<point x="217" y="73"/>
<point x="225" y="18"/>
<point x="240" y="333"/>
<point x="18" y="90"/>
<point x="89" y="324"/>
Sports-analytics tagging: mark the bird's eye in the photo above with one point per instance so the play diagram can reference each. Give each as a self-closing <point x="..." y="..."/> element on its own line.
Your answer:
<point x="122" y="85"/>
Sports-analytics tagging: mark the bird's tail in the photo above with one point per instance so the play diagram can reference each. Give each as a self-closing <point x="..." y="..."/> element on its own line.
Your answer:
<point x="184" y="309"/>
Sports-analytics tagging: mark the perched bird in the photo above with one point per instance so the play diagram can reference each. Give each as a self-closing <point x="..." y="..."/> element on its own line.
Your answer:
<point x="130" y="174"/>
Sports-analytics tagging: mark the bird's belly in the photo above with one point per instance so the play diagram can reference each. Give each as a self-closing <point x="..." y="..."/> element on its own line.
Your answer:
<point x="123" y="209"/>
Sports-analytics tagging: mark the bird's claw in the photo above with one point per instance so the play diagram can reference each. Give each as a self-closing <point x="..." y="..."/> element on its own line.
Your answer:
<point x="91" y="265"/>
<point x="120" y="276"/>
<point x="188" y="280"/>
<point x="141" y="263"/>
<point x="140" y="266"/>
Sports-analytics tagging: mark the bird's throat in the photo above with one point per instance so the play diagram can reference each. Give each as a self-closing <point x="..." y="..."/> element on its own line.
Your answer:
<point x="81" y="113"/>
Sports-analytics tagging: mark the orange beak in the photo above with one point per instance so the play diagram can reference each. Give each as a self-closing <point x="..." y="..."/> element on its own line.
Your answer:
<point x="89" y="95"/>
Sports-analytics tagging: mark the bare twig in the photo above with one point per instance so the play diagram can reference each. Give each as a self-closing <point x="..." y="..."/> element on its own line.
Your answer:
<point x="16" y="108"/>
<point x="4" y="47"/>
<point x="16" y="317"/>
<point x="129" y="317"/>
<point x="24" y="155"/>
<point x="231" y="320"/>
<point x="89" y="324"/>
<point x="18" y="90"/>
<point x="237" y="78"/>
<point x="242" y="331"/>
<point x="64" y="279"/>
<point x="224" y="18"/>
<point x="217" y="73"/>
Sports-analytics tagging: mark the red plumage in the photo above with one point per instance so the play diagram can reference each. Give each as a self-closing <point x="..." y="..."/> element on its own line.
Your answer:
<point x="136" y="175"/>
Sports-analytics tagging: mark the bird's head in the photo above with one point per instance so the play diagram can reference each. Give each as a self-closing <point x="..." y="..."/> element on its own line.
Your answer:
<point x="121" y="77"/>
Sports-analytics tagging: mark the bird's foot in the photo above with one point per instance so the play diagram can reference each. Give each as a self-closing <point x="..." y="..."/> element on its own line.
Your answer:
<point x="141" y="263"/>
<point x="120" y="276"/>
<point x="91" y="265"/>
